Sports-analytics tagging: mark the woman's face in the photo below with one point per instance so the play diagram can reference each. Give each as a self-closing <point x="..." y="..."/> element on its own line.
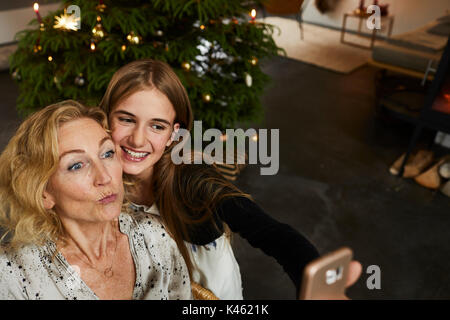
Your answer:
<point x="141" y="126"/>
<point x="87" y="185"/>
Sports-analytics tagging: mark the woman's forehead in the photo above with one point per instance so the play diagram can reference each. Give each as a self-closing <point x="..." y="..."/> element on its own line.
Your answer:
<point x="79" y="133"/>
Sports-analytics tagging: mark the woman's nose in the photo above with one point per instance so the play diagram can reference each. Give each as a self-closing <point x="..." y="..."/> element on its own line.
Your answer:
<point x="102" y="176"/>
<point x="137" y="138"/>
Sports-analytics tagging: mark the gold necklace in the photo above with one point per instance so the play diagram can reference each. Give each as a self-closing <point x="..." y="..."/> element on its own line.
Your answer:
<point x="108" y="272"/>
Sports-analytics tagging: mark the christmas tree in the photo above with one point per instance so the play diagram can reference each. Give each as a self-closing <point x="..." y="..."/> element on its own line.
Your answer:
<point x="214" y="46"/>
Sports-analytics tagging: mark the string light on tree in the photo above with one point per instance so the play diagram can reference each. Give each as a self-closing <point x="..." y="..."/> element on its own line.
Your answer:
<point x="93" y="46"/>
<point x="254" y="61"/>
<point x="253" y="15"/>
<point x="38" y="16"/>
<point x="206" y="97"/>
<point x="36" y="9"/>
<point x="186" y="66"/>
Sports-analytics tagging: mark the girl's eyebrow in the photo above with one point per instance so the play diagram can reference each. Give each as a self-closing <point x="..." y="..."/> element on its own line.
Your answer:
<point x="124" y="112"/>
<point x="132" y="115"/>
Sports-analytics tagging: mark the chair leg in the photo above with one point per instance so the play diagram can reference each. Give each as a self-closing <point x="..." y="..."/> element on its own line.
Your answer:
<point x="300" y="24"/>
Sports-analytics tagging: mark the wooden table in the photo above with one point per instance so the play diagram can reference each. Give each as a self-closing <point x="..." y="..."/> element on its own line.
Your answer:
<point x="362" y="18"/>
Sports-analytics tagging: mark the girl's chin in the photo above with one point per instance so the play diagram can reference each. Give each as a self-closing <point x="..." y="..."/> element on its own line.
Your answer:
<point x="136" y="169"/>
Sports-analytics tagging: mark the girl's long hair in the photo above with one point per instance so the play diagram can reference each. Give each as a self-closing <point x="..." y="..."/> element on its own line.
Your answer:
<point x="187" y="194"/>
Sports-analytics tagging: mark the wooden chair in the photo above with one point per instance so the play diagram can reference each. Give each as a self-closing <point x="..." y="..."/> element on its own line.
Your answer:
<point x="286" y="7"/>
<point x="201" y="293"/>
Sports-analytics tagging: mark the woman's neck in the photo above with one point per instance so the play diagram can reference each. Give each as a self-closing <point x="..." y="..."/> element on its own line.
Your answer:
<point x="95" y="241"/>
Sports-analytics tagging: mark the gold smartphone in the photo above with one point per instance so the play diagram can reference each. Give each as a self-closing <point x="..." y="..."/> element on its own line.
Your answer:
<point x="326" y="276"/>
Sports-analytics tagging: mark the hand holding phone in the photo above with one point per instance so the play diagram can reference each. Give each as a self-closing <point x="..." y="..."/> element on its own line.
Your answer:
<point x="327" y="277"/>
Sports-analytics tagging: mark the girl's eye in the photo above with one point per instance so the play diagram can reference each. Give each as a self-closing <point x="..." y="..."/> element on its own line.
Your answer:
<point x="109" y="154"/>
<point x="157" y="127"/>
<point x="76" y="166"/>
<point x="127" y="120"/>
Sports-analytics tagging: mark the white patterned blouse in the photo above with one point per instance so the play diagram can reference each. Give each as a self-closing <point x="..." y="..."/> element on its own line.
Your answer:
<point x="34" y="272"/>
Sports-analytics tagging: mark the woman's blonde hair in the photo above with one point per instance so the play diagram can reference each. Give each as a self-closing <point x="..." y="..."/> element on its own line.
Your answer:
<point x="26" y="165"/>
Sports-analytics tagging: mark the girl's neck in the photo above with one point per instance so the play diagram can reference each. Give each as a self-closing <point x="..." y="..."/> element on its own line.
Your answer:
<point x="143" y="193"/>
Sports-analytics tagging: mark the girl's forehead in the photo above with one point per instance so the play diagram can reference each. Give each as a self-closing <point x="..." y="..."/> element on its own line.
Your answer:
<point x="147" y="103"/>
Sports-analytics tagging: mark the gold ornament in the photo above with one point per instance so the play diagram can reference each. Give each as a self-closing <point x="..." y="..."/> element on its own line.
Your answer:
<point x="37" y="48"/>
<point x="98" y="31"/>
<point x="248" y="79"/>
<point x="254" y="61"/>
<point x="42" y="27"/>
<point x="186" y="66"/>
<point x="79" y="80"/>
<point x="202" y="27"/>
<point x="57" y="82"/>
<point x="16" y="75"/>
<point x="67" y="22"/>
<point x="101" y="7"/>
<point x="206" y="97"/>
<point x="133" y="38"/>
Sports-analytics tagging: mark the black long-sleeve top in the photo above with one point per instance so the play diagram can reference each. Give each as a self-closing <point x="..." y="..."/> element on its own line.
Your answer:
<point x="278" y="240"/>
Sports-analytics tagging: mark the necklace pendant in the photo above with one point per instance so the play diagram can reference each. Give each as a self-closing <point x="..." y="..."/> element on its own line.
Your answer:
<point x="108" y="272"/>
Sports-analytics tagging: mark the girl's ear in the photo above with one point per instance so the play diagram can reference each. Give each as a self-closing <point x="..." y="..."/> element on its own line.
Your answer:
<point x="176" y="127"/>
<point x="48" y="199"/>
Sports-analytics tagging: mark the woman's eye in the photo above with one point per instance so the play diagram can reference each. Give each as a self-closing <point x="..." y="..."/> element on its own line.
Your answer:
<point x="109" y="154"/>
<point x="76" y="166"/>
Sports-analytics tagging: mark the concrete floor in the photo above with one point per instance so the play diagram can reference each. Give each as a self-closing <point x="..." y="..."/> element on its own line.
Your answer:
<point x="333" y="185"/>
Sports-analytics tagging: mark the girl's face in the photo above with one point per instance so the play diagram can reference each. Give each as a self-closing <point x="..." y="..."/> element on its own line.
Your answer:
<point x="142" y="125"/>
<point x="87" y="185"/>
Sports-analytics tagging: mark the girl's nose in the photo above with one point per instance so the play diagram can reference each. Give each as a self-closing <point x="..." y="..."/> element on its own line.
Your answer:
<point x="137" y="138"/>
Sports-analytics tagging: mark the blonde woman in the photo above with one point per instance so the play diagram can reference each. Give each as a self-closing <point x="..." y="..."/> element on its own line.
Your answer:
<point x="61" y="196"/>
